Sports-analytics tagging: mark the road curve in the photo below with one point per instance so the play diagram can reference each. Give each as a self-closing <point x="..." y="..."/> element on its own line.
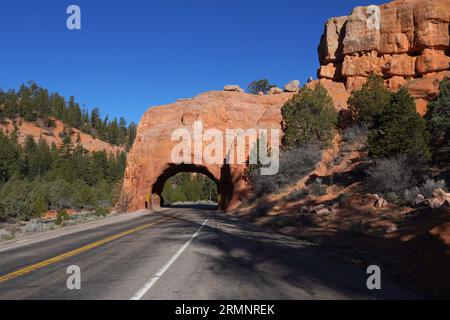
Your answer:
<point x="182" y="253"/>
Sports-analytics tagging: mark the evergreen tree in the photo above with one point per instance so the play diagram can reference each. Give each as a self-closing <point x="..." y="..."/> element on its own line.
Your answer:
<point x="399" y="129"/>
<point x="10" y="157"/>
<point x="370" y="100"/>
<point x="67" y="145"/>
<point x="131" y="135"/>
<point x="258" y="86"/>
<point x="95" y="118"/>
<point x="438" y="119"/>
<point x="309" y="118"/>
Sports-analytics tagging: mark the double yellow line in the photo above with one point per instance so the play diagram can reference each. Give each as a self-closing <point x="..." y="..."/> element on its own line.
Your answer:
<point x="75" y="252"/>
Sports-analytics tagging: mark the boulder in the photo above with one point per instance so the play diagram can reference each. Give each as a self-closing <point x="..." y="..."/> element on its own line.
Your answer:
<point x="438" y="199"/>
<point x="233" y="88"/>
<point x="275" y="90"/>
<point x="323" y="211"/>
<point x="378" y="201"/>
<point x="419" y="200"/>
<point x="292" y="86"/>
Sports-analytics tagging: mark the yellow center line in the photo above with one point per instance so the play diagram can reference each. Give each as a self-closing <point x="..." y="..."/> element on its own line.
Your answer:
<point x="69" y="254"/>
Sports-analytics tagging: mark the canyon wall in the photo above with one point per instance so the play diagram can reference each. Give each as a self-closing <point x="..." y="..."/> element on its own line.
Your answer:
<point x="405" y="41"/>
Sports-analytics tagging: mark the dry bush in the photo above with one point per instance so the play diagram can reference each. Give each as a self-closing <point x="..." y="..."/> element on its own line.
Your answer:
<point x="427" y="188"/>
<point x="124" y="202"/>
<point x="295" y="164"/>
<point x="391" y="174"/>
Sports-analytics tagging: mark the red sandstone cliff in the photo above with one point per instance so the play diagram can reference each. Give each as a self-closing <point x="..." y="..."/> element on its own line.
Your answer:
<point x="405" y="41"/>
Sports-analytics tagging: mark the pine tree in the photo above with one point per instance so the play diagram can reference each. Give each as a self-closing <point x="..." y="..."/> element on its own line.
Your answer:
<point x="399" y="129"/>
<point x="309" y="118"/>
<point x="95" y="118"/>
<point x="370" y="100"/>
<point x="10" y="157"/>
<point x="67" y="145"/>
<point x="438" y="119"/>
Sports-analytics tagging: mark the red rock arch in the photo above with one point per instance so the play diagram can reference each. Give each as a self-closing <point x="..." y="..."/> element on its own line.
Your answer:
<point x="149" y="161"/>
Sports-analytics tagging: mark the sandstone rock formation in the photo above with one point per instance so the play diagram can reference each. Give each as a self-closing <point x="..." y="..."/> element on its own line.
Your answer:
<point x="336" y="90"/>
<point x="149" y="162"/>
<point x="275" y="90"/>
<point x="405" y="41"/>
<point x="233" y="88"/>
<point x="292" y="86"/>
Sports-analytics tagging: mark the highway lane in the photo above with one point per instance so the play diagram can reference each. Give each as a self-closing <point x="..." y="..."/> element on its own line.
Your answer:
<point x="184" y="253"/>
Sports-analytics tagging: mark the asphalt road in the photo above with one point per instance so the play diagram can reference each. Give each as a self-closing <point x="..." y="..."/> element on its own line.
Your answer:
<point x="182" y="253"/>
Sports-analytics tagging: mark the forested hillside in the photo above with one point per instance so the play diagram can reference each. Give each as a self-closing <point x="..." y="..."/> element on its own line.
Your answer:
<point x="34" y="103"/>
<point x="37" y="176"/>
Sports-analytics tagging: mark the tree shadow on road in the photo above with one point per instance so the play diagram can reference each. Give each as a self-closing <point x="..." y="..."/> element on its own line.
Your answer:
<point x="276" y="266"/>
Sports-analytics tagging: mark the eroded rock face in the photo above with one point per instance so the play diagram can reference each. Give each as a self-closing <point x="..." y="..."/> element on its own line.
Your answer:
<point x="150" y="163"/>
<point x="403" y="41"/>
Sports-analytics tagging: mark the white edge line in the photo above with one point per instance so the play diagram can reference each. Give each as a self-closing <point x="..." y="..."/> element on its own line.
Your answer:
<point x="160" y="273"/>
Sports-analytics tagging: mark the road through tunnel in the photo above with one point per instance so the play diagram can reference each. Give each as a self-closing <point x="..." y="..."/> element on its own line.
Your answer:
<point x="181" y="183"/>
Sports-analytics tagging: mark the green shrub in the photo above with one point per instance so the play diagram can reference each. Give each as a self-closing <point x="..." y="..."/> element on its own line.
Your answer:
<point x="61" y="217"/>
<point x="309" y="118"/>
<point x="40" y="206"/>
<point x="399" y="129"/>
<point x="15" y="201"/>
<point x="101" y="211"/>
<point x="438" y="118"/>
<point x="369" y="101"/>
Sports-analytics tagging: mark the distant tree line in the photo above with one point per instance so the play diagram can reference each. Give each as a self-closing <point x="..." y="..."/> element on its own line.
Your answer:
<point x="36" y="177"/>
<point x="189" y="187"/>
<point x="33" y="102"/>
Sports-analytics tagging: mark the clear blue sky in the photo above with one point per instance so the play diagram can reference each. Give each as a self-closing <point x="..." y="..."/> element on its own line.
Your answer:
<point x="134" y="54"/>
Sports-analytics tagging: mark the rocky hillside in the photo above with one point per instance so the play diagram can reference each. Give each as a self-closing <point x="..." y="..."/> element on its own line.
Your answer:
<point x="56" y="135"/>
<point x="405" y="41"/>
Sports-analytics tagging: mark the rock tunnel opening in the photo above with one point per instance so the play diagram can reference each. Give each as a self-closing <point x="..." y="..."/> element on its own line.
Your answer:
<point x="223" y="185"/>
